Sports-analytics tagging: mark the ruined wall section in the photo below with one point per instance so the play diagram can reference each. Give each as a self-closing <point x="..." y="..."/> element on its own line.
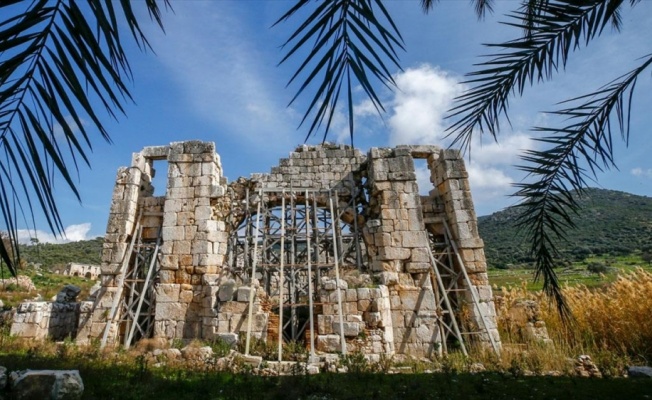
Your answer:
<point x="321" y="167"/>
<point x="194" y="242"/>
<point x="120" y="227"/>
<point x="451" y="199"/>
<point x="46" y="320"/>
<point x="398" y="249"/>
<point x="197" y="297"/>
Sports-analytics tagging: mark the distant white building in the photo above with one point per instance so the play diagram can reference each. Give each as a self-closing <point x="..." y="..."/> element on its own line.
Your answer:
<point x="87" y="271"/>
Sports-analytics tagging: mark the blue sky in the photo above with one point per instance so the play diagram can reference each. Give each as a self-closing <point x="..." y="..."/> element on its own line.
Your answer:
<point x="214" y="77"/>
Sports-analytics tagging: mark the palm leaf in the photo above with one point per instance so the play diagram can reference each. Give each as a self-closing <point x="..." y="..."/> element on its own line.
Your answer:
<point x="553" y="30"/>
<point x="57" y="59"/>
<point x="346" y="40"/>
<point x="548" y="207"/>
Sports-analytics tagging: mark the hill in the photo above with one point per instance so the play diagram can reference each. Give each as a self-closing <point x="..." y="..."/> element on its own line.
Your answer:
<point x="609" y="223"/>
<point x="51" y="255"/>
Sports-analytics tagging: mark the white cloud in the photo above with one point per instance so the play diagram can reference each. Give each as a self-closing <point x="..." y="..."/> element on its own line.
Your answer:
<point x="58" y="129"/>
<point x="638" y="171"/>
<point x="417" y="116"/>
<point x="423" y="97"/>
<point x="72" y="233"/>
<point x="503" y="152"/>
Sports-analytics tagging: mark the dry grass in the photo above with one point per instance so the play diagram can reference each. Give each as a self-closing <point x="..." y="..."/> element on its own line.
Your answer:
<point x="612" y="324"/>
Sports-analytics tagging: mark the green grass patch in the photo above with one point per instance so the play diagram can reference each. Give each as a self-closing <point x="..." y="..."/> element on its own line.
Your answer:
<point x="137" y="380"/>
<point x="574" y="274"/>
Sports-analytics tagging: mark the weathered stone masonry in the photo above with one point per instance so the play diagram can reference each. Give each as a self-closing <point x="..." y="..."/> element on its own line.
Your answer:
<point x="384" y="231"/>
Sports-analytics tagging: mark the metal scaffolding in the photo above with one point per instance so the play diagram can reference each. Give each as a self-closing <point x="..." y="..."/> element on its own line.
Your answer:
<point x="451" y="278"/>
<point x="133" y="306"/>
<point x="290" y="239"/>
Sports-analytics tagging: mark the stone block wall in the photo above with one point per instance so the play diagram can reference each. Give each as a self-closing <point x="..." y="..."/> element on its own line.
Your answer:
<point x="194" y="241"/>
<point x="366" y="319"/>
<point x="42" y="320"/>
<point x="315" y="167"/>
<point x="398" y="244"/>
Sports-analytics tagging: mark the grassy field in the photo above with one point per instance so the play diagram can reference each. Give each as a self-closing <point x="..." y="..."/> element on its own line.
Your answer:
<point x="47" y="284"/>
<point x="573" y="275"/>
<point x="105" y="380"/>
<point x="612" y="325"/>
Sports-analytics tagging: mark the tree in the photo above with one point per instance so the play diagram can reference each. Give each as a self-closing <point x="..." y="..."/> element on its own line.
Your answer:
<point x="57" y="58"/>
<point x="356" y="39"/>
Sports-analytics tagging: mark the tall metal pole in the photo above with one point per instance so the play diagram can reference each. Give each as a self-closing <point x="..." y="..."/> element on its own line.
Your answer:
<point x="337" y="275"/>
<point x="310" y="302"/>
<point x="281" y="283"/>
<point x="253" y="275"/>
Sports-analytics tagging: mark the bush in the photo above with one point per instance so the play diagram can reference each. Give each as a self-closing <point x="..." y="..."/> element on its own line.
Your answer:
<point x="597" y="268"/>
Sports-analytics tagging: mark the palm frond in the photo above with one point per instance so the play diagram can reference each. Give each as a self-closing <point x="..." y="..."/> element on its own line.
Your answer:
<point x="555" y="28"/>
<point x="481" y="6"/>
<point x="57" y="60"/>
<point x="349" y="42"/>
<point x="548" y="204"/>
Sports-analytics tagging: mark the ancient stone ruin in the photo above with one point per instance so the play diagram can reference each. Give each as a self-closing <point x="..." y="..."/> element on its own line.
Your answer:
<point x="332" y="248"/>
<point x="87" y="271"/>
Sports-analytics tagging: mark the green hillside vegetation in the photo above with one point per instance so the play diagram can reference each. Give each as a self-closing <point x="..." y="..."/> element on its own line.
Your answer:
<point x="54" y="256"/>
<point x="610" y="224"/>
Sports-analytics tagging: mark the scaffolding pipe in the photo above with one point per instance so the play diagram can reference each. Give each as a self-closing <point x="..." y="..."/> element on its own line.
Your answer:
<point x="253" y="275"/>
<point x="472" y="288"/>
<point x="143" y="293"/>
<point x="337" y="275"/>
<point x="123" y="272"/>
<point x="310" y="301"/>
<point x="447" y="302"/>
<point x="280" y="284"/>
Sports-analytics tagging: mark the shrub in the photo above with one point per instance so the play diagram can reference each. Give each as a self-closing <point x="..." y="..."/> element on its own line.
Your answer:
<point x="597" y="268"/>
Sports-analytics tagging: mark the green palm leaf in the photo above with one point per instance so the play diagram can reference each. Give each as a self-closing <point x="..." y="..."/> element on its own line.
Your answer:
<point x="57" y="59"/>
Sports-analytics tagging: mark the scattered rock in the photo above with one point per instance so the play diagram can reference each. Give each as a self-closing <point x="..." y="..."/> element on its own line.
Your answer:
<point x="639" y="372"/>
<point x="47" y="384"/>
<point x="229" y="338"/>
<point x="197" y="353"/>
<point x="254" y="361"/>
<point x="68" y="294"/>
<point x="586" y="368"/>
<point x="477" y="367"/>
<point x="22" y="281"/>
<point x="312" y="369"/>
